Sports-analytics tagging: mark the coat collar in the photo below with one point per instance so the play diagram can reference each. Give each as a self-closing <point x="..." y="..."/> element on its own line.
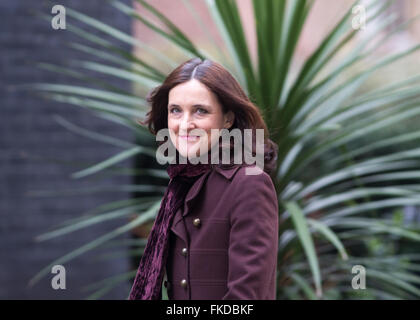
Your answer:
<point x="227" y="172"/>
<point x="177" y="227"/>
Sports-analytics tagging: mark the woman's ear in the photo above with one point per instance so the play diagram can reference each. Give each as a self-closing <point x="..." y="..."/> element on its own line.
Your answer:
<point x="229" y="119"/>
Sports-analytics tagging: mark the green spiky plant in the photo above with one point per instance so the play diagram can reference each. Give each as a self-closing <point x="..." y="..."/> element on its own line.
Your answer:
<point x="340" y="194"/>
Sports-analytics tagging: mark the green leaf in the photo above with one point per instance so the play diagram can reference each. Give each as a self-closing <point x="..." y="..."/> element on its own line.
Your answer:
<point x="305" y="237"/>
<point x="113" y="160"/>
<point x="304" y="285"/>
<point x="147" y="215"/>
<point x="329" y="235"/>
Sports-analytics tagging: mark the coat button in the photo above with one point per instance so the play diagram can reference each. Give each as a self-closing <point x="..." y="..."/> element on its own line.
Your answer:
<point x="183" y="283"/>
<point x="184" y="251"/>
<point x="197" y="222"/>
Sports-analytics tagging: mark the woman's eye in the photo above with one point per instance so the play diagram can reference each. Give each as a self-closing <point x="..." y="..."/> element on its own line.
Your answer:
<point x="201" y="110"/>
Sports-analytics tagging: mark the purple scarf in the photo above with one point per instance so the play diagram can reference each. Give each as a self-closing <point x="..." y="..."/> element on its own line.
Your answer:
<point x="148" y="281"/>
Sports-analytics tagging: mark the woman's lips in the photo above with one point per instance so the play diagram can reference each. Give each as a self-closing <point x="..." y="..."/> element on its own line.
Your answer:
<point x="190" y="138"/>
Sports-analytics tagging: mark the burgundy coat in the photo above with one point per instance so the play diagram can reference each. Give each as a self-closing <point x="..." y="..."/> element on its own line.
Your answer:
<point x="223" y="243"/>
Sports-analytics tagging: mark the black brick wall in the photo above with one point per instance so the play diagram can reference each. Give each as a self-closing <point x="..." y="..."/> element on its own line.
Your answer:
<point x="36" y="154"/>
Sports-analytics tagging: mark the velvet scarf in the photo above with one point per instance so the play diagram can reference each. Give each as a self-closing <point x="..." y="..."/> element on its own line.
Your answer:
<point x="148" y="281"/>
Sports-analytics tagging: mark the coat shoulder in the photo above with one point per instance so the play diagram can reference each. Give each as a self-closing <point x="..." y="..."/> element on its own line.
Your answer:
<point x="252" y="176"/>
<point x="240" y="184"/>
<point x="242" y="171"/>
<point x="247" y="179"/>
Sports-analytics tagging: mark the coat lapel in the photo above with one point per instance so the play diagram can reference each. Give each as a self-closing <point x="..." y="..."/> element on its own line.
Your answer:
<point x="177" y="227"/>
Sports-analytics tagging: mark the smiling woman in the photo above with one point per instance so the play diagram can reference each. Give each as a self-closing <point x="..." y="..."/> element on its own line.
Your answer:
<point x="193" y="106"/>
<point x="216" y="232"/>
<point x="199" y="96"/>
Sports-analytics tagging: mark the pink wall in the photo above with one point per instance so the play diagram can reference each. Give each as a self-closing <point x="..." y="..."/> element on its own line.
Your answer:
<point x="322" y="18"/>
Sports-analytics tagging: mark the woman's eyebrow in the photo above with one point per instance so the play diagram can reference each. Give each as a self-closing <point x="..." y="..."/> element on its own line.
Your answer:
<point x="195" y="105"/>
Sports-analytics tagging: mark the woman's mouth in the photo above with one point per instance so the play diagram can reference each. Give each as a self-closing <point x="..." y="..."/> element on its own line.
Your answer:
<point x="190" y="138"/>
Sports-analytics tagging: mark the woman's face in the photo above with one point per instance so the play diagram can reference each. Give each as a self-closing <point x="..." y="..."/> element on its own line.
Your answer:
<point x="191" y="105"/>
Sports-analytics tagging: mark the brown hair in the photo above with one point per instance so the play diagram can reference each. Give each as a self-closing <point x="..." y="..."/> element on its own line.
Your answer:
<point x="229" y="94"/>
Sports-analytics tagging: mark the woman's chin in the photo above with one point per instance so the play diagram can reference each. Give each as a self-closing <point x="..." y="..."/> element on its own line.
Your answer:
<point x="191" y="152"/>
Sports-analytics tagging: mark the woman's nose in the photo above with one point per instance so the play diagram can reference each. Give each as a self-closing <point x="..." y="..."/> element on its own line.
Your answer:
<point x="186" y="122"/>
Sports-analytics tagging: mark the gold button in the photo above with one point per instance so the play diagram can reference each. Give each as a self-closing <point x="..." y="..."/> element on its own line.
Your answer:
<point x="197" y="222"/>
<point x="184" y="251"/>
<point x="183" y="283"/>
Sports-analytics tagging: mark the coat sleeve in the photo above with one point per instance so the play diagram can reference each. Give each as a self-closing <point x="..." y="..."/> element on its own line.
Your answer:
<point x="253" y="241"/>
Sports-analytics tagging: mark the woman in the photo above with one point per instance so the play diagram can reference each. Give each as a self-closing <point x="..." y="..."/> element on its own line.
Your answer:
<point x="216" y="233"/>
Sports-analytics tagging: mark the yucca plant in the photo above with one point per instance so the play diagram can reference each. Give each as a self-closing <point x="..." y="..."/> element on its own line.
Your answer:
<point x="340" y="192"/>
